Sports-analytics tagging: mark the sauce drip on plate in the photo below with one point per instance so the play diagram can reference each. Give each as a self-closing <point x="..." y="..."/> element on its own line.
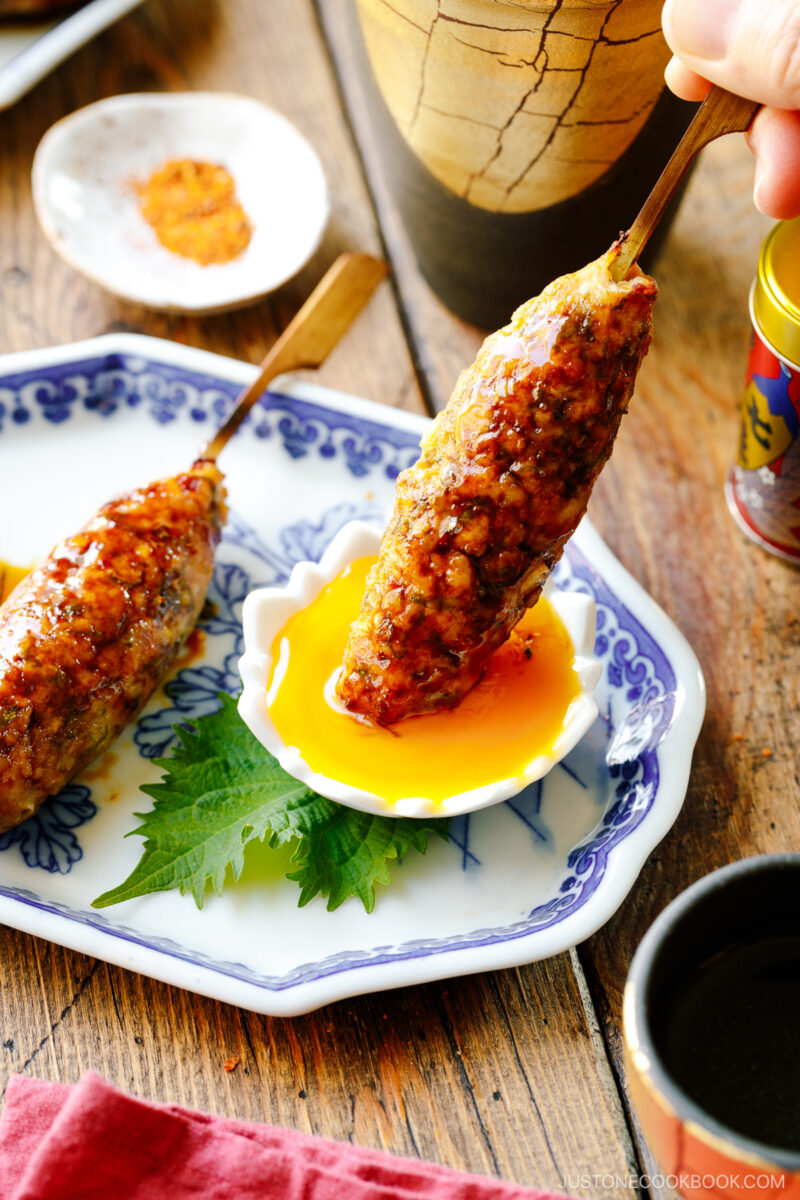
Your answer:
<point x="512" y="716"/>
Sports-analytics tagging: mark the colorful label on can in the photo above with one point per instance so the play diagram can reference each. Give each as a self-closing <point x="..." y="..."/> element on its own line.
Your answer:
<point x="764" y="484"/>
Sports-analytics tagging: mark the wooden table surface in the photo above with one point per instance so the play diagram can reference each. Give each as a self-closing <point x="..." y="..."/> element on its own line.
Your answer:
<point x="515" y="1073"/>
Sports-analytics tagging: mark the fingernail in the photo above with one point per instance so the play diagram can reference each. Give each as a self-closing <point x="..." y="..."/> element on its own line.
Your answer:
<point x="702" y="28"/>
<point x="761" y="176"/>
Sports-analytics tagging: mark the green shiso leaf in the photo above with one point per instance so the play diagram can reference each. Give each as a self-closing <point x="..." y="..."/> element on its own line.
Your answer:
<point x="222" y="789"/>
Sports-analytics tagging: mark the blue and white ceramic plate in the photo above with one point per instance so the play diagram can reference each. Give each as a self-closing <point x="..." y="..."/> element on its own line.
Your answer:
<point x="30" y="49"/>
<point x="518" y="882"/>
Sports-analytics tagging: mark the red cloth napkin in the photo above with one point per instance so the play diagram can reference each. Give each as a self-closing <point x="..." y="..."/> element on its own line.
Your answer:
<point x="93" y="1142"/>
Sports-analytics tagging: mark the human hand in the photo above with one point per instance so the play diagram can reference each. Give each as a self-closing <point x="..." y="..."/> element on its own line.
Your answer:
<point x="752" y="48"/>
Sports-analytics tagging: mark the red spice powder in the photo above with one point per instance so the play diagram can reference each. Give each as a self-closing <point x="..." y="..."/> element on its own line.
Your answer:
<point x="195" y="212"/>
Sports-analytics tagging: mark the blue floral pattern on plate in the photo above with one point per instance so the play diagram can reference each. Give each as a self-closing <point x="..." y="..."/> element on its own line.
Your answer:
<point x="166" y="393"/>
<point x="47" y="840"/>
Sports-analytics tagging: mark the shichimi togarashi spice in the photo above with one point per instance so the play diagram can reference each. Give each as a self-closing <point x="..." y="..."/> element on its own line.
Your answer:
<point x="195" y="212"/>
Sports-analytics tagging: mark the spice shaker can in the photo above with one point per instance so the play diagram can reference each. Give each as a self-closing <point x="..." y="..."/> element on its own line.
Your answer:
<point x="763" y="485"/>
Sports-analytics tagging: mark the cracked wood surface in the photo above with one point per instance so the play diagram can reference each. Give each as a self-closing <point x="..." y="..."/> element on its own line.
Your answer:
<point x="515" y="1072"/>
<point x="515" y="107"/>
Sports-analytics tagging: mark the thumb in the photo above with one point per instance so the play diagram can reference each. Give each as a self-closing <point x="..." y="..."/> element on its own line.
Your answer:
<point x="751" y="47"/>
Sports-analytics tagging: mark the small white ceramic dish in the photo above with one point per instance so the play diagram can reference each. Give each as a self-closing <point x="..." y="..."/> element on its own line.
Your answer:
<point x="29" y="49"/>
<point x="87" y="166"/>
<point x="267" y="610"/>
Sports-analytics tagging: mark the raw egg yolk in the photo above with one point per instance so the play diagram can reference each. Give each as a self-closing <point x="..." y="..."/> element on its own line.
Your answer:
<point x="9" y="578"/>
<point x="514" y="714"/>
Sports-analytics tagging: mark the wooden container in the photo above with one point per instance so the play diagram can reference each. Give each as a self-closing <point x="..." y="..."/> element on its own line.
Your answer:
<point x="519" y="136"/>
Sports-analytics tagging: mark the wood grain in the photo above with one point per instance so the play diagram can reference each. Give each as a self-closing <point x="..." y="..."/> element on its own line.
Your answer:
<point x="312" y="334"/>
<point x="660" y="505"/>
<point x="501" y="103"/>
<point x="199" y="44"/>
<point x="496" y="1073"/>
<point x="515" y="1073"/>
<point x="504" y="1074"/>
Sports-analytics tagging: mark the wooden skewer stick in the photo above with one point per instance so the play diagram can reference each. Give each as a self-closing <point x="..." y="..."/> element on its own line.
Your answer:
<point x="721" y="112"/>
<point x="307" y="341"/>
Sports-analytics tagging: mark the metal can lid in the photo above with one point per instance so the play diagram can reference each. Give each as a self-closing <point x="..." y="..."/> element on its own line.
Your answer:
<point x="776" y="296"/>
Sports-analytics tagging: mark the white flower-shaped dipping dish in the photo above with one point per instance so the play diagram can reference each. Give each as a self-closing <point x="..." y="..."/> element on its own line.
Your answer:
<point x="266" y="612"/>
<point x="85" y="175"/>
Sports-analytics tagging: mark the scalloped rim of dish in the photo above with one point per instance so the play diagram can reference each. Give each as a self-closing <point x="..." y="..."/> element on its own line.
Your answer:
<point x="178" y="301"/>
<point x="267" y="610"/>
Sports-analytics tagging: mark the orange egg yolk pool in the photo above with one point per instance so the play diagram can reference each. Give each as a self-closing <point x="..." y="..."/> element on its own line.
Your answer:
<point x="514" y="714"/>
<point x="10" y="576"/>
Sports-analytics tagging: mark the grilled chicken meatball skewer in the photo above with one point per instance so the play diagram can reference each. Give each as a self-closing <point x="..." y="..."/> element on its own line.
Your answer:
<point x="503" y="479"/>
<point x="87" y="637"/>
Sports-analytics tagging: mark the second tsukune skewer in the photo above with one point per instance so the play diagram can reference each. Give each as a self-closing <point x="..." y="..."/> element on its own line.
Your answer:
<point x="87" y="637"/>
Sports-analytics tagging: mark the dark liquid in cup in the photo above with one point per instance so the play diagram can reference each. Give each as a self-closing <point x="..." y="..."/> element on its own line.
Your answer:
<point x="729" y="1035"/>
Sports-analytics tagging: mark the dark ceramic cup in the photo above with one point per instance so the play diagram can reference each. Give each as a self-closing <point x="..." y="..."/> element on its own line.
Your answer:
<point x="712" y="1033"/>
